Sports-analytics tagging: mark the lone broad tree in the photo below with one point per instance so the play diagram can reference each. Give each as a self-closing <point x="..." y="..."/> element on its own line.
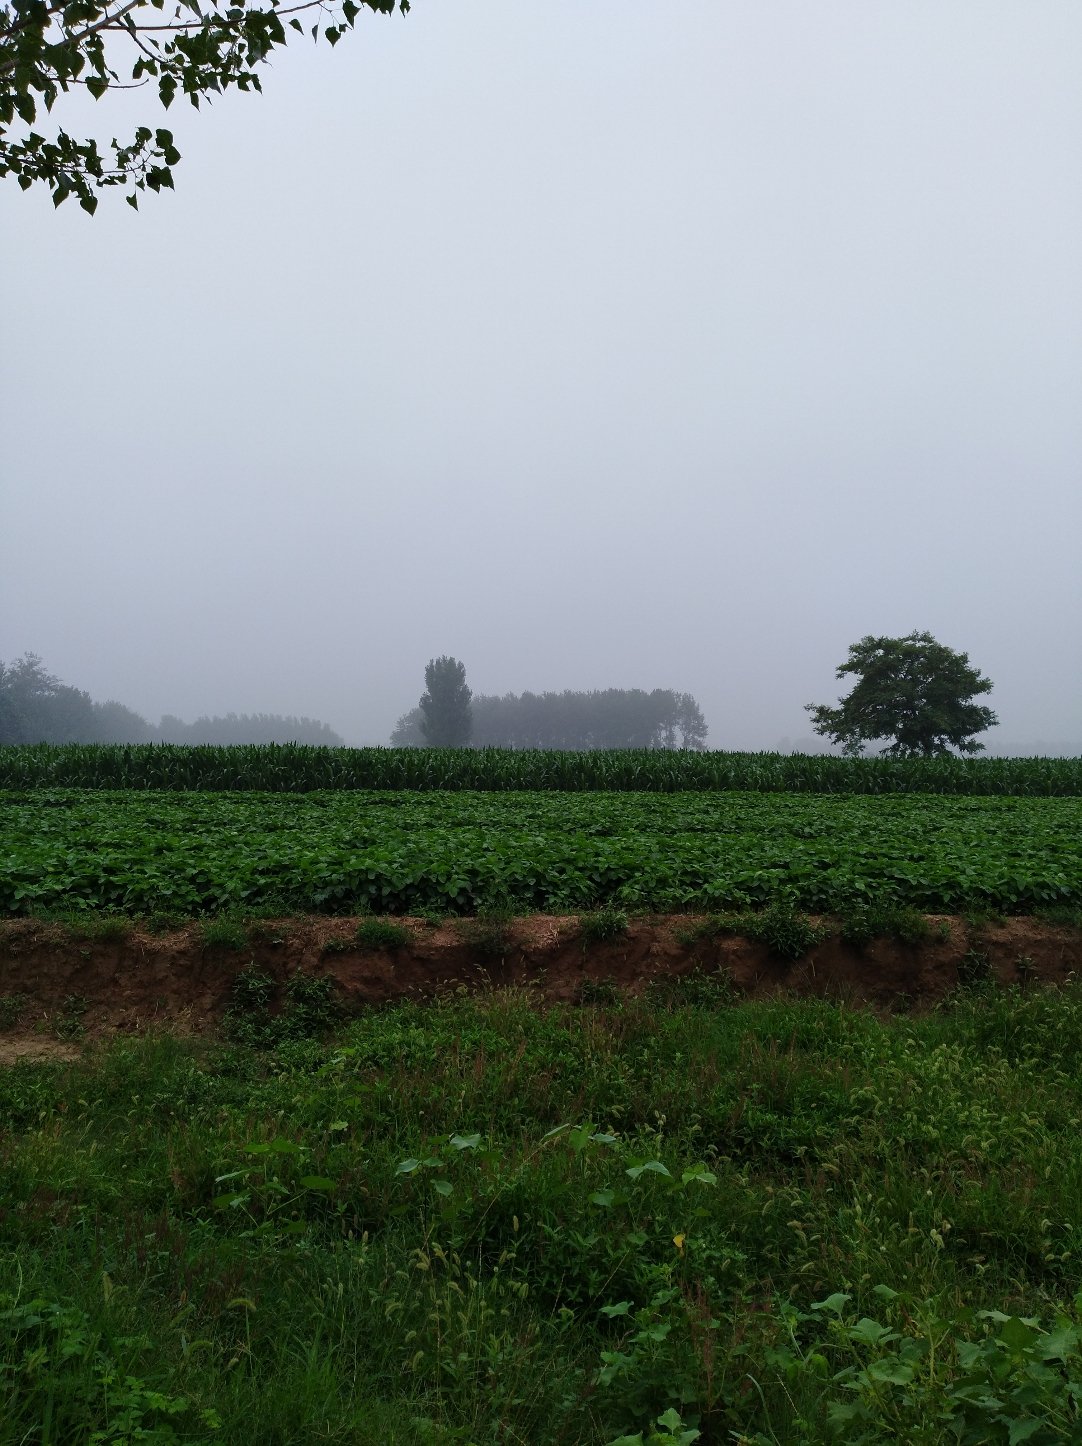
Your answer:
<point x="446" y="714"/>
<point x="912" y="690"/>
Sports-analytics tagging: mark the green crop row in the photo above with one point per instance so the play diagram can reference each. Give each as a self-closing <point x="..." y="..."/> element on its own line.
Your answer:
<point x="292" y="768"/>
<point x="401" y="852"/>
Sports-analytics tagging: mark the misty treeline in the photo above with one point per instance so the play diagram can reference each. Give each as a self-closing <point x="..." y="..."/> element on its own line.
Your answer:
<point x="605" y="718"/>
<point x="36" y="707"/>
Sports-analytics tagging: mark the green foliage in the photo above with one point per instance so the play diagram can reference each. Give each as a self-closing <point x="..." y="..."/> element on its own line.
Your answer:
<point x="489" y="934"/>
<point x="607" y="718"/>
<point x="202" y="50"/>
<point x="981" y="1376"/>
<point x="912" y="690"/>
<point x="12" y="1008"/>
<point x="289" y="768"/>
<point x="974" y="968"/>
<point x="382" y="934"/>
<point x="69" y="1021"/>
<point x="483" y="1221"/>
<point x="340" y="853"/>
<point x="446" y="714"/>
<point x="599" y="991"/>
<point x="867" y="921"/>
<point x="602" y="925"/>
<point x="786" y="932"/>
<point x="695" y="990"/>
<point x="259" y="1017"/>
<point x="224" y="933"/>
<point x="61" y="1366"/>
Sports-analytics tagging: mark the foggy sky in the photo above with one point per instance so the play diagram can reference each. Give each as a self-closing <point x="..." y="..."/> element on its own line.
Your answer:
<point x="611" y="344"/>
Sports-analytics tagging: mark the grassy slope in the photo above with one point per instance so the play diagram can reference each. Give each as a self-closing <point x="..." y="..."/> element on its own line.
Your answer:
<point x="222" y="1243"/>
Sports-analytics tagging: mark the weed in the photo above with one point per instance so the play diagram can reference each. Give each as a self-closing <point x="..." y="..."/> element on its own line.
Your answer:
<point x="489" y="934"/>
<point x="381" y="934"/>
<point x="69" y="1022"/>
<point x="223" y="933"/>
<point x="1064" y="916"/>
<point x="981" y="915"/>
<point x="336" y="945"/>
<point x="163" y="922"/>
<point x="866" y="922"/>
<point x="974" y="969"/>
<point x="603" y="924"/>
<point x="308" y="1010"/>
<point x="311" y="1008"/>
<point x="268" y="932"/>
<point x="697" y="990"/>
<point x="598" y="991"/>
<point x="786" y="933"/>
<point x="11" y="1009"/>
<point x="103" y="928"/>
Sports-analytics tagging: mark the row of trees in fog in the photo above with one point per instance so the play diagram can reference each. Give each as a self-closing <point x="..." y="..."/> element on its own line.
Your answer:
<point x="450" y="714"/>
<point x="36" y="707"/>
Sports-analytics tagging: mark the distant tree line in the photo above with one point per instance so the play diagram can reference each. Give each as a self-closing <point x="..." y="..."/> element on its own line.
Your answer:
<point x="36" y="707"/>
<point x="606" y="718"/>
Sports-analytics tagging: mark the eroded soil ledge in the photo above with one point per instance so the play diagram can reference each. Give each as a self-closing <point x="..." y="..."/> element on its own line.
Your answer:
<point x="144" y="980"/>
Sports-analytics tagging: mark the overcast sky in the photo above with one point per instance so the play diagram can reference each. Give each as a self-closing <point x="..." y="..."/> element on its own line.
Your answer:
<point x="599" y="343"/>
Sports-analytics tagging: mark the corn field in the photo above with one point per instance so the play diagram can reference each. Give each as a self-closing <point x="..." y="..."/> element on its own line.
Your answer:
<point x="289" y="768"/>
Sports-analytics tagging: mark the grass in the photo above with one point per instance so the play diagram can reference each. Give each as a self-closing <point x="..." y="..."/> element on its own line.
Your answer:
<point x="484" y="1221"/>
<point x="223" y="933"/>
<point x="602" y="925"/>
<point x="865" y="922"/>
<point x="489" y="934"/>
<point x="786" y="932"/>
<point x="382" y="934"/>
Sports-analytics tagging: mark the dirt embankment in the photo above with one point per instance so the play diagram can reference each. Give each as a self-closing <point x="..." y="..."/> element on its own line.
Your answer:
<point x="50" y="973"/>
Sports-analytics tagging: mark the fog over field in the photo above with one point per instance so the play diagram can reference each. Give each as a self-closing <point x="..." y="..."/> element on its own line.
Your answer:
<point x="620" y="344"/>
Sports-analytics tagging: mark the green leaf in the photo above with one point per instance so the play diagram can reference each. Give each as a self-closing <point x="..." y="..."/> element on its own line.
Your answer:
<point x="465" y="1142"/>
<point x="407" y="1167"/>
<point x="654" y="1166"/>
<point x="603" y="1197"/>
<point x="622" y="1307"/>
<point x="869" y="1332"/>
<point x="442" y="1187"/>
<point x="896" y="1373"/>
<point x="1016" y="1335"/>
<point x="316" y="1182"/>
<point x="834" y="1303"/>
<point x="1023" y="1428"/>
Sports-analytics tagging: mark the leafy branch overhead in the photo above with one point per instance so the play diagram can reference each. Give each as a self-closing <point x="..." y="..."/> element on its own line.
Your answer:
<point x="198" y="50"/>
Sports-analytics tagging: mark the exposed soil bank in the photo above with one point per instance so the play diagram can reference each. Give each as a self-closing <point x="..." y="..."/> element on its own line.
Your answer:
<point x="49" y="973"/>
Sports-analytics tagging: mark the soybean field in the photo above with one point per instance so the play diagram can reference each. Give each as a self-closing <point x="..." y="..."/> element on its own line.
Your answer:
<point x="346" y="852"/>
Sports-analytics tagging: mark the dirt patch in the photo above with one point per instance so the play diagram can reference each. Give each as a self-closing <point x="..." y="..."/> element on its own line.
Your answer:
<point x="57" y="986"/>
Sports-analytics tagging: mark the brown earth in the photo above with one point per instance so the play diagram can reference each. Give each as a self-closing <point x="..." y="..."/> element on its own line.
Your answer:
<point x="51" y="975"/>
